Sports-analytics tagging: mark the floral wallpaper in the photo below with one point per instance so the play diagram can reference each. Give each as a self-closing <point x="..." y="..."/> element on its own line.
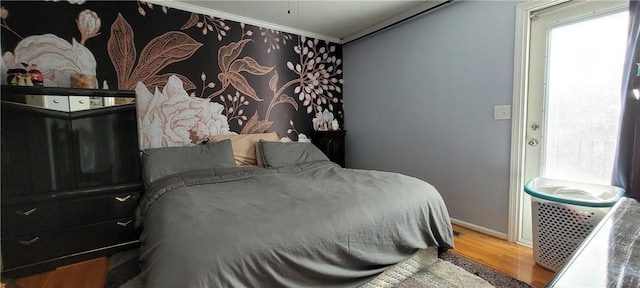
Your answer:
<point x="195" y="75"/>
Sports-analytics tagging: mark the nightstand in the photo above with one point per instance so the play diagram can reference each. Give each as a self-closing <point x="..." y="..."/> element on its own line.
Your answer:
<point x="332" y="144"/>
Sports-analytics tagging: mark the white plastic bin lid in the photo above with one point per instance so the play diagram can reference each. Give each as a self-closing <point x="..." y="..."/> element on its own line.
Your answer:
<point x="575" y="193"/>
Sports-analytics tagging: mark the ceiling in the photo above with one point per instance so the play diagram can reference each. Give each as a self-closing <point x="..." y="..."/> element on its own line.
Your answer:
<point x="336" y="21"/>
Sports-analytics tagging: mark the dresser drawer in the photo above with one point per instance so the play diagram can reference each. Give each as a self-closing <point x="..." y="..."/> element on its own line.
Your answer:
<point x="34" y="248"/>
<point x="53" y="102"/>
<point x="79" y="103"/>
<point x="54" y="215"/>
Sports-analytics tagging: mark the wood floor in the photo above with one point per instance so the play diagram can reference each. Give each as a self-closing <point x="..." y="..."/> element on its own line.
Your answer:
<point x="511" y="259"/>
<point x="86" y="274"/>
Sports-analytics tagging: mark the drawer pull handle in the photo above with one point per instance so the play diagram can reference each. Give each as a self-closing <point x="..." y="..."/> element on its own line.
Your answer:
<point x="124" y="224"/>
<point x="81" y="101"/>
<point x="122" y="199"/>
<point x="26" y="213"/>
<point x="28" y="242"/>
<point x="56" y="101"/>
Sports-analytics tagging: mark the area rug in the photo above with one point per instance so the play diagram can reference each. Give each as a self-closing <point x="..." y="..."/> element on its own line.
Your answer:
<point x="450" y="270"/>
<point x="492" y="276"/>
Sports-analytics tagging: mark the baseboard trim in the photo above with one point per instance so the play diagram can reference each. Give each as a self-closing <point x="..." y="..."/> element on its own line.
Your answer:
<point x="480" y="229"/>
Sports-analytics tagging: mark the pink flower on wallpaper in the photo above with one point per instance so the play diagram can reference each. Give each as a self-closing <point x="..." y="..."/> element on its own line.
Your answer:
<point x="320" y="75"/>
<point x="56" y="58"/>
<point x="173" y="118"/>
<point x="88" y="24"/>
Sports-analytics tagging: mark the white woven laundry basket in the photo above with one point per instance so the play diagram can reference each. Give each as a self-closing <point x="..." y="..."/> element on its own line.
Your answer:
<point x="563" y="214"/>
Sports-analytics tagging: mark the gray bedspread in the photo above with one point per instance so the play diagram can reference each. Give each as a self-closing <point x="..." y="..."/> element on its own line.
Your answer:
<point x="308" y="225"/>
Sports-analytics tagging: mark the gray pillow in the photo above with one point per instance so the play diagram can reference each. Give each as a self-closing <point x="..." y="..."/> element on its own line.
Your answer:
<point x="160" y="162"/>
<point x="280" y="154"/>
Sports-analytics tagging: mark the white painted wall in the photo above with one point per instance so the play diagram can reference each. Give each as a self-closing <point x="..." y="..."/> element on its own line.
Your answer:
<point x="419" y="97"/>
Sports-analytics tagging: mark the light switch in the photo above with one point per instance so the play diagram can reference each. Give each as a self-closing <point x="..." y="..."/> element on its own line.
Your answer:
<point x="502" y="112"/>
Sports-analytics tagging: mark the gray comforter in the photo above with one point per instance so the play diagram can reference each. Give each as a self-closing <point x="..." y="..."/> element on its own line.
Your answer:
<point x="308" y="225"/>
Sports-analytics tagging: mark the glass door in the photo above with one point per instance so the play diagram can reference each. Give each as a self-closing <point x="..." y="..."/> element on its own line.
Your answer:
<point x="576" y="62"/>
<point x="586" y="60"/>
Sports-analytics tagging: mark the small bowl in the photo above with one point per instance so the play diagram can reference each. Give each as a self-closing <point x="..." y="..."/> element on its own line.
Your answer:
<point x="86" y="81"/>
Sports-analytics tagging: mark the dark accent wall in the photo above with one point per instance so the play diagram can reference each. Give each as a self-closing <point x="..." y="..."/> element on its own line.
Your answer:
<point x="257" y="79"/>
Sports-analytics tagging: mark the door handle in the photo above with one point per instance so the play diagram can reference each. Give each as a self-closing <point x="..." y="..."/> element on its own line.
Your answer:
<point x="122" y="199"/>
<point x="26" y="213"/>
<point x="533" y="142"/>
<point x="28" y="242"/>
<point x="124" y="224"/>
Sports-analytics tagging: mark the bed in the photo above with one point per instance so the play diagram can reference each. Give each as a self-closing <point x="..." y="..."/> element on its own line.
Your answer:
<point x="302" y="221"/>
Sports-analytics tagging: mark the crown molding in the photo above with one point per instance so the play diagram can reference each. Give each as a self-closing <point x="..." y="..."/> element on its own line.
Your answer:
<point x="396" y="19"/>
<point x="229" y="16"/>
